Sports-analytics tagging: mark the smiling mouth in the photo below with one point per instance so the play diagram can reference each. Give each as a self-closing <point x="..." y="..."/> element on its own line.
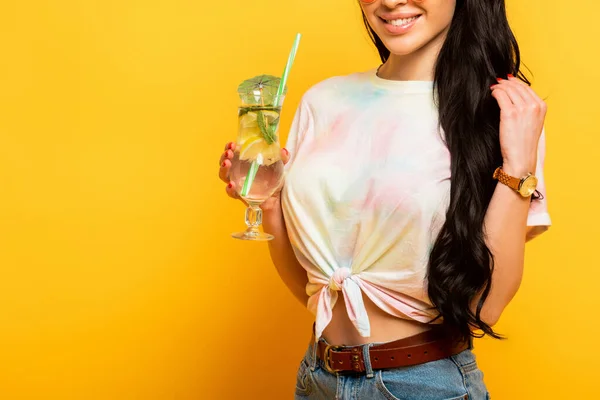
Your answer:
<point x="400" y="22"/>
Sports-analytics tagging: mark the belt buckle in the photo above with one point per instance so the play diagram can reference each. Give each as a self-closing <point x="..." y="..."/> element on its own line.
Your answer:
<point x="327" y="358"/>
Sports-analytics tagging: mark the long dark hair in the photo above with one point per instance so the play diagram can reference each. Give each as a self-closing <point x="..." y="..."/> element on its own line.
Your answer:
<point x="479" y="47"/>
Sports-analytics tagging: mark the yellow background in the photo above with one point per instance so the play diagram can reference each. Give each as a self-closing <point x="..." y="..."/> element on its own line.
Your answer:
<point x="117" y="276"/>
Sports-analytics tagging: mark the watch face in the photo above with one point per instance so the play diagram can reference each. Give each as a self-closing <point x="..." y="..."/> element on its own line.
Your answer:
<point x="528" y="186"/>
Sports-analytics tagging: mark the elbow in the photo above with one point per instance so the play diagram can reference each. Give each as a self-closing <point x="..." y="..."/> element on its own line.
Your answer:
<point x="494" y="306"/>
<point x="490" y="313"/>
<point x="490" y="318"/>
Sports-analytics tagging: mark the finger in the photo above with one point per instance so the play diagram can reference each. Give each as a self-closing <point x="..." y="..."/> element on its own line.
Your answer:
<point x="231" y="191"/>
<point x="512" y="78"/>
<point x="532" y="94"/>
<point x="503" y="100"/>
<point x="524" y="90"/>
<point x="225" y="166"/>
<point x="224" y="171"/>
<point x="230" y="146"/>
<point x="514" y="92"/>
<point x="285" y="156"/>
<point x="518" y="81"/>
<point x="533" y="100"/>
<point x="228" y="155"/>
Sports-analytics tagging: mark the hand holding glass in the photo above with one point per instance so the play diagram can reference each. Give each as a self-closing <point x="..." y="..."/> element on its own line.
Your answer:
<point x="257" y="168"/>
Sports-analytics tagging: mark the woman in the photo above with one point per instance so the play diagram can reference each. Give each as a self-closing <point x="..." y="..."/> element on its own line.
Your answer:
<point x="392" y="202"/>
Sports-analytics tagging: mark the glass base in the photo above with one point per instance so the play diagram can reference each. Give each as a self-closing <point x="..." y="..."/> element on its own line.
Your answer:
<point x="253" y="235"/>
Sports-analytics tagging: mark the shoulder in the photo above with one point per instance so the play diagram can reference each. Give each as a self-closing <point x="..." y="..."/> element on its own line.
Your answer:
<point x="336" y="86"/>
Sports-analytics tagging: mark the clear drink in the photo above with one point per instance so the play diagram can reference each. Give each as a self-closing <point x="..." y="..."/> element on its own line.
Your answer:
<point x="256" y="167"/>
<point x="257" y="143"/>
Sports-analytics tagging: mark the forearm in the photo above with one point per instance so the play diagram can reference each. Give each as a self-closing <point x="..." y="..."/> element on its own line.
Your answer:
<point x="287" y="265"/>
<point x="506" y="229"/>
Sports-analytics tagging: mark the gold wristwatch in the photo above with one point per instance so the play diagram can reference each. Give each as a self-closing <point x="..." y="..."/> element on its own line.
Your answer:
<point x="524" y="186"/>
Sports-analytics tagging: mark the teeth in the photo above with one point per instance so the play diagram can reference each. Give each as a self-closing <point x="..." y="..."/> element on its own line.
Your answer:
<point x="400" y="22"/>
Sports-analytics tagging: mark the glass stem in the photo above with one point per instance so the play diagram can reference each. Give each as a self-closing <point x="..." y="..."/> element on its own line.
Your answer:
<point x="253" y="217"/>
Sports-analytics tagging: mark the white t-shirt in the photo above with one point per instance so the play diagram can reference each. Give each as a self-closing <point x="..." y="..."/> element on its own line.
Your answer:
<point x="366" y="193"/>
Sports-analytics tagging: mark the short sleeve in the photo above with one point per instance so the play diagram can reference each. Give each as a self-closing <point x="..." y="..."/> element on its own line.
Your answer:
<point x="300" y="130"/>
<point x="538" y="215"/>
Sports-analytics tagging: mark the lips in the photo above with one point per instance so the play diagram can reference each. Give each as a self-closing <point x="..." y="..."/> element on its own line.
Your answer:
<point x="395" y="16"/>
<point x="399" y="23"/>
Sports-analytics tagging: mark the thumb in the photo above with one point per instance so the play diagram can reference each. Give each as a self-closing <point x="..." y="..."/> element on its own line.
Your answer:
<point x="285" y="155"/>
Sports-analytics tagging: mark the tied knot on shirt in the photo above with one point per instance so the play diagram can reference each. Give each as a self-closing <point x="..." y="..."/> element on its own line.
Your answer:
<point x="337" y="279"/>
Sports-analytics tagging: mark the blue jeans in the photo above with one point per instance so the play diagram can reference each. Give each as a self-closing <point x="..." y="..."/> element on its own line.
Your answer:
<point x="453" y="378"/>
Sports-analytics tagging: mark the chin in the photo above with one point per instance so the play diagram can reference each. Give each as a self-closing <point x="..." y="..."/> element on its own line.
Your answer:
<point x="401" y="46"/>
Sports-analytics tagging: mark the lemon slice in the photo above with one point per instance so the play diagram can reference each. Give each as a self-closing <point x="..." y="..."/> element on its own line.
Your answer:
<point x="248" y="120"/>
<point x="249" y="135"/>
<point x="270" y="116"/>
<point x="252" y="141"/>
<point x="258" y="147"/>
<point x="248" y="129"/>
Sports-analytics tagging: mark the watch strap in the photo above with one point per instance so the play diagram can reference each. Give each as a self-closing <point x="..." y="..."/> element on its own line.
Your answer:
<point x="506" y="179"/>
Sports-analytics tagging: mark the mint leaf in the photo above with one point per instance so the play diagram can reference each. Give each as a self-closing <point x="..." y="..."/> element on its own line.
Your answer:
<point x="267" y="132"/>
<point x="273" y="128"/>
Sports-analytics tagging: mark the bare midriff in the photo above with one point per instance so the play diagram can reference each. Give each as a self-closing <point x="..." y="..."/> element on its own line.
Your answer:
<point x="384" y="327"/>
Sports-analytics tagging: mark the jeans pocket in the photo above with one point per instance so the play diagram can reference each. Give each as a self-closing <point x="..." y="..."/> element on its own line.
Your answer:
<point x="303" y="380"/>
<point x="436" y="380"/>
<point x="473" y="376"/>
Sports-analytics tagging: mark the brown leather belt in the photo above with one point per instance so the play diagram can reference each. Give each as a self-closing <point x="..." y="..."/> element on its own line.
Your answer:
<point x="424" y="347"/>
